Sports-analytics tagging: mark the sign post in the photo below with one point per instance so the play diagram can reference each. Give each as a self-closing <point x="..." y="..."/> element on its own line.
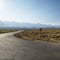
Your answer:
<point x="41" y="31"/>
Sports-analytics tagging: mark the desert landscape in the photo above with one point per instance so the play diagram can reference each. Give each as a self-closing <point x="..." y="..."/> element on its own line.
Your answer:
<point x="29" y="29"/>
<point x="52" y="35"/>
<point x="13" y="48"/>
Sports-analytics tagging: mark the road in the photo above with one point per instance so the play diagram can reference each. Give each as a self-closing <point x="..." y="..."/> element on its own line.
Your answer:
<point x="12" y="48"/>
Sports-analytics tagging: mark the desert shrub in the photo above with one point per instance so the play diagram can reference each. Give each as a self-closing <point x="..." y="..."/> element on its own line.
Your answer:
<point x="43" y="32"/>
<point x="57" y="36"/>
<point x="36" y="33"/>
<point x="32" y="32"/>
<point x="25" y="35"/>
<point x="47" y="32"/>
<point x="57" y="32"/>
<point x="46" y="35"/>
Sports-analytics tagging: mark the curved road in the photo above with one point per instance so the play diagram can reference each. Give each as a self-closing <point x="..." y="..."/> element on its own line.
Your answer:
<point x="12" y="48"/>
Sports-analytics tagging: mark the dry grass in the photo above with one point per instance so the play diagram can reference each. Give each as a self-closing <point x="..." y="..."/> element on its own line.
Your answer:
<point x="6" y="31"/>
<point x="52" y="35"/>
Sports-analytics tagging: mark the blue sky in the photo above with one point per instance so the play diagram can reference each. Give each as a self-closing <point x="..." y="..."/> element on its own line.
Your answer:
<point x="31" y="11"/>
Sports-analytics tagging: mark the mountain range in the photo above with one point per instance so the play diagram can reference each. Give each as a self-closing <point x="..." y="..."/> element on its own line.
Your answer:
<point x="6" y="24"/>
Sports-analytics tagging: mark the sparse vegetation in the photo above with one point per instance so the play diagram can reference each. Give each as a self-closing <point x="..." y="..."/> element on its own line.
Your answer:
<point x="6" y="31"/>
<point x="52" y="35"/>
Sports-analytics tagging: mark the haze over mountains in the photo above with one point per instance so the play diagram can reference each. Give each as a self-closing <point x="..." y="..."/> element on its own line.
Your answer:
<point x="6" y="24"/>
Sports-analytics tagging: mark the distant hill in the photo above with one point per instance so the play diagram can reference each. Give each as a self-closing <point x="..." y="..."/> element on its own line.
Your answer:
<point x="8" y="25"/>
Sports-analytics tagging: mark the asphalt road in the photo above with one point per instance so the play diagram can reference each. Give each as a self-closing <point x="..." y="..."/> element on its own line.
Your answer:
<point x="12" y="48"/>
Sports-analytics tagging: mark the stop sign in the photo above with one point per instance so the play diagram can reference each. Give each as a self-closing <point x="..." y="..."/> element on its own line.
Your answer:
<point x="41" y="29"/>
